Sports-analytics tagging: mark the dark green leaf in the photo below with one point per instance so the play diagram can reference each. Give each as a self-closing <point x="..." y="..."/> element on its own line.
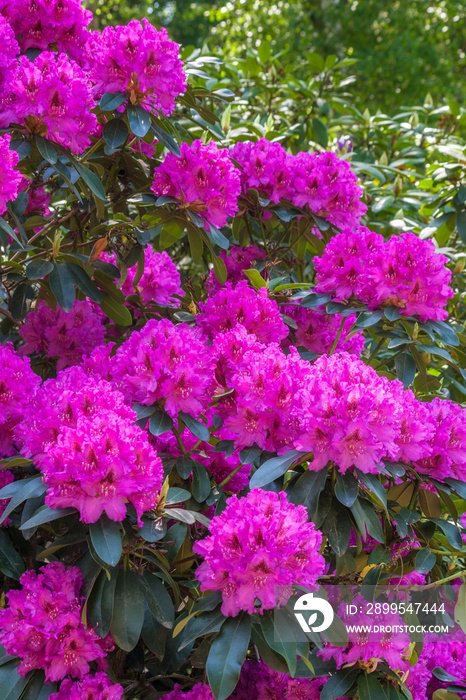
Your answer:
<point x="450" y="531"/>
<point x="37" y="689"/>
<point x="62" y="286"/>
<point x="369" y="688"/>
<point x="100" y="603"/>
<point x="20" y="491"/>
<point x="38" y="269"/>
<point x="158" y="600"/>
<point x="177" y="495"/>
<point x="184" y="466"/>
<point x="337" y="527"/>
<point x="7" y="228"/>
<point x="115" y="133"/>
<point x="272" y="469"/>
<point x="405" y="367"/>
<point x="218" y="238"/>
<point x="272" y="636"/>
<point x="46" y="515"/>
<point x="11" y="683"/>
<point x="392" y="313"/>
<point x="139" y="120"/>
<point x="112" y="100"/>
<point x="106" y="539"/>
<point x="91" y="180"/>
<point x="196" y="427"/>
<point x="47" y="150"/>
<point x="458" y="486"/>
<point x="165" y="139"/>
<point x="201" y="482"/>
<point x="184" y="516"/>
<point x="160" y="423"/>
<point x="128" y="610"/>
<point x="107" y="268"/>
<point x="117" y="312"/>
<point x="227" y="655"/>
<point x="84" y="283"/>
<point x="248" y="455"/>
<point x="11" y="564"/>
<point x="346" y="488"/>
<point x="320" y="131"/>
<point x="306" y="489"/>
<point x="373" y="485"/>
<point x="369" y="318"/>
<point x="424" y="561"/>
<point x="338" y="684"/>
<point x="201" y="626"/>
<point x="19" y="301"/>
<point x="461" y="225"/>
<point x="153" y="530"/>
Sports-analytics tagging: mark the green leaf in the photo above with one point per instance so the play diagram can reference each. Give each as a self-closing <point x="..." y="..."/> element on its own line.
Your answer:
<point x="227" y="655"/>
<point x="405" y="367"/>
<point x="201" y="482"/>
<point x="219" y="268"/>
<point x="165" y="139"/>
<point x="11" y="564"/>
<point x="62" y="286"/>
<point x="19" y="301"/>
<point x="218" y="238"/>
<point x="153" y="530"/>
<point x="184" y="466"/>
<point x="158" y="600"/>
<point x="38" y="269"/>
<point x="369" y="688"/>
<point x="84" y="283"/>
<point x="37" y="689"/>
<point x="450" y="531"/>
<point x="320" y="131"/>
<point x="106" y="539"/>
<point x="369" y="318"/>
<point x="424" y="561"/>
<point x="128" y="610"/>
<point x="47" y="150"/>
<point x="91" y="180"/>
<point x="383" y="203"/>
<point x="139" y="120"/>
<point x="373" y="485"/>
<point x="115" y="133"/>
<point x="255" y="278"/>
<point x="112" y="100"/>
<point x="11" y="683"/>
<point x="338" y="684"/>
<point x="272" y="469"/>
<point x="115" y="311"/>
<point x="100" y="603"/>
<point x="337" y="527"/>
<point x="201" y="626"/>
<point x="346" y="488"/>
<point x="248" y="455"/>
<point x="160" y="423"/>
<point x="20" y="491"/>
<point x="287" y="648"/>
<point x="46" y="515"/>
<point x="7" y="228"/>
<point x="461" y="225"/>
<point x="306" y="489"/>
<point x="195" y="427"/>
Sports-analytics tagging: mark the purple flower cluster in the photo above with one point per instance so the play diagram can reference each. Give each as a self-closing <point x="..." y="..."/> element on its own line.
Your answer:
<point x="92" y="455"/>
<point x="65" y="335"/>
<point x="242" y="306"/>
<point x="98" y="687"/>
<point x="10" y="50"/>
<point x="10" y="179"/>
<point x="203" y="179"/>
<point x="165" y="363"/>
<point x="318" y="331"/>
<point x="404" y="271"/>
<point x="52" y="97"/>
<point x="236" y="260"/>
<point x="140" y="60"/>
<point x="444" y="455"/>
<point x="321" y="182"/>
<point x="18" y="384"/>
<point x="42" y="625"/>
<point x="259" y="547"/>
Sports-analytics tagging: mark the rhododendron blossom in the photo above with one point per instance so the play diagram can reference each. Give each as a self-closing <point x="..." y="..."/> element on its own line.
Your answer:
<point x="244" y="306"/>
<point x="10" y="179"/>
<point x="18" y="383"/>
<point x="445" y="455"/>
<point x="10" y="49"/>
<point x="42" y="625"/>
<point x="140" y="60"/>
<point x="98" y="687"/>
<point x="203" y="179"/>
<point x="259" y="547"/>
<point x="65" y="335"/>
<point x="318" y="332"/>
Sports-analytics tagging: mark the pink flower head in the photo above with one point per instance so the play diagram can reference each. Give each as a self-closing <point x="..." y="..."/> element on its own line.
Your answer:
<point x="243" y="306"/>
<point x="265" y="168"/>
<point x="6" y="477"/>
<point x="445" y="454"/>
<point x="18" y="384"/>
<point x="166" y="363"/>
<point x="42" y="625"/>
<point x="39" y="24"/>
<point x="350" y="415"/>
<point x="91" y="454"/>
<point x="259" y="547"/>
<point x="10" y="49"/>
<point x="98" y="687"/>
<point x="140" y="60"/>
<point x="52" y="97"/>
<point x="66" y="335"/>
<point x="204" y="180"/>
<point x="236" y="260"/>
<point x="10" y="179"/>
<point x="317" y="331"/>
<point x="197" y="692"/>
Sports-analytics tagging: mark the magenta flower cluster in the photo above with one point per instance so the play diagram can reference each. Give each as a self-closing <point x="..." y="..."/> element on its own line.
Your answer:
<point x="67" y="336"/>
<point x="42" y="625"/>
<point x="140" y="60"/>
<point x="203" y="180"/>
<point x="259" y="547"/>
<point x="98" y="687"/>
<point x="10" y="178"/>
<point x="92" y="456"/>
<point x="320" y="182"/>
<point x="404" y="271"/>
<point x="320" y="332"/>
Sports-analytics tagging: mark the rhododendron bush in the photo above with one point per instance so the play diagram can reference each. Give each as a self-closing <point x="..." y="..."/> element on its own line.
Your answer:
<point x="220" y="381"/>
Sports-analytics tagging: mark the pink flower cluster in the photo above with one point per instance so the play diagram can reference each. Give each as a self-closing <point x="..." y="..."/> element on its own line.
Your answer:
<point x="159" y="282"/>
<point x="448" y="652"/>
<point x="91" y="454"/>
<point x="165" y="363"/>
<point x="320" y="181"/>
<point x="10" y="49"/>
<point x="18" y="384"/>
<point x="259" y="547"/>
<point x="203" y="179"/>
<point x="10" y="179"/>
<point x="404" y="271"/>
<point x="52" y="97"/>
<point x="268" y="395"/>
<point x="140" y="60"/>
<point x="242" y="306"/>
<point x="317" y="331"/>
<point x="42" y="625"/>
<point x="98" y="687"/>
<point x="445" y="451"/>
<point x="65" y="335"/>
<point x="39" y="24"/>
<point x="236" y="260"/>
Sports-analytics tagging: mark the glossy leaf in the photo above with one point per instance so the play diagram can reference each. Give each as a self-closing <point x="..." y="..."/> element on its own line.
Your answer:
<point x="128" y="610"/>
<point x="227" y="655"/>
<point x="106" y="538"/>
